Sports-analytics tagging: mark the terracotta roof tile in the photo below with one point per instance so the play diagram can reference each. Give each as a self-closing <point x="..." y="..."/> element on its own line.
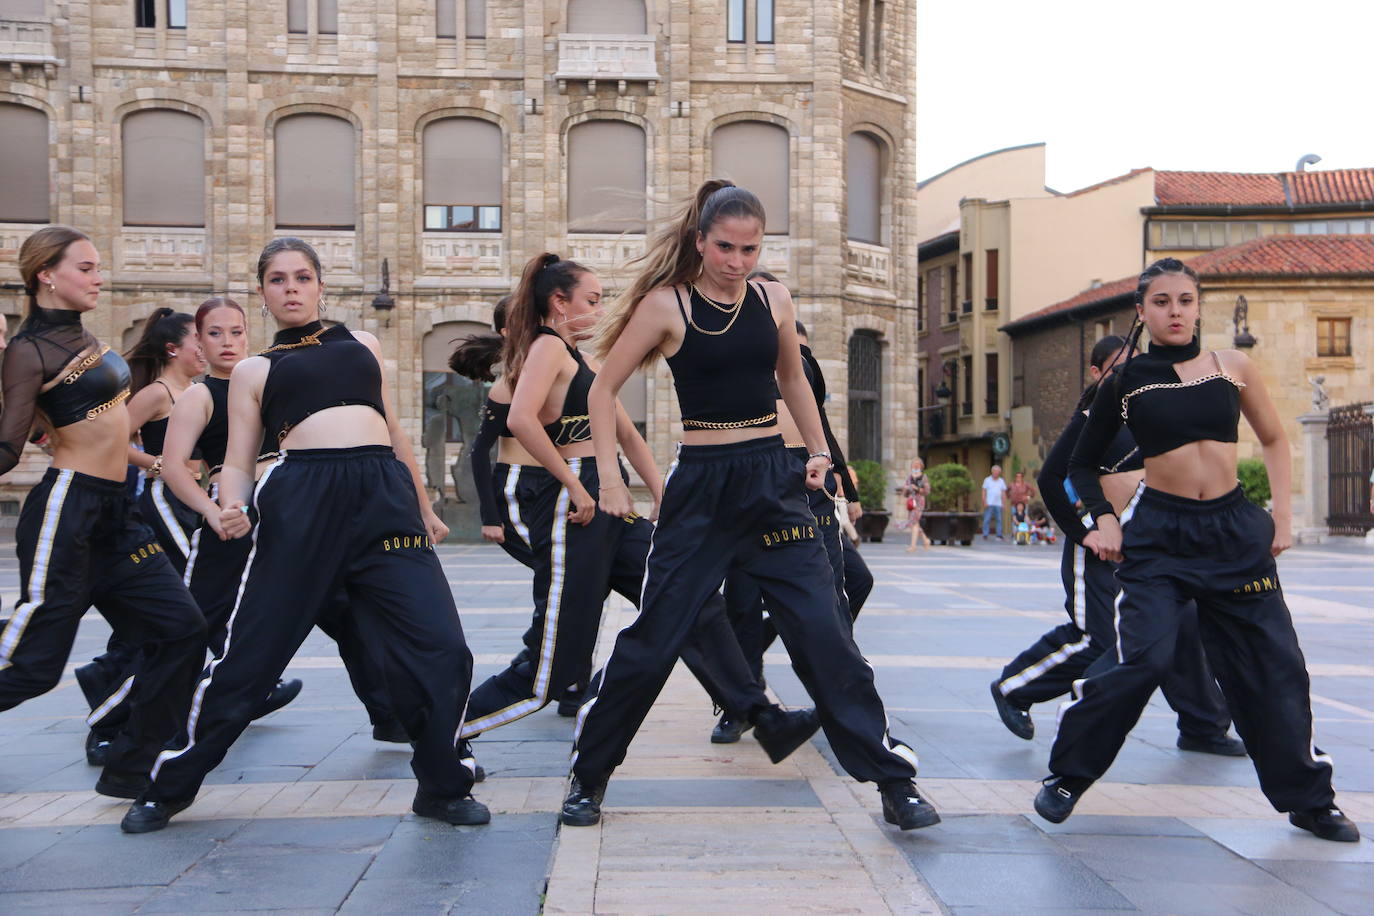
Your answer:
<point x="1340" y="186"/>
<point x="1275" y="256"/>
<point x="1269" y="189"/>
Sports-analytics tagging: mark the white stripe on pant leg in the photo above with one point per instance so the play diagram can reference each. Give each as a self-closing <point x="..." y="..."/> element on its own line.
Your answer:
<point x="1126" y="516"/>
<point x="558" y="558"/>
<point x="169" y="518"/>
<point x="111" y="702"/>
<point x="1080" y="588"/>
<point x="38" y="574"/>
<point x="513" y="504"/>
<point x="199" y="696"/>
<point x="1045" y="665"/>
<point x="586" y="707"/>
<point x="191" y="557"/>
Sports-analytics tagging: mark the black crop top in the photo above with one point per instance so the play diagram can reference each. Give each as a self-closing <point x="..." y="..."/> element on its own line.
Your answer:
<point x="45" y="345"/>
<point x="1122" y="455"/>
<point x="723" y="372"/>
<point x="494" y="426"/>
<point x="1161" y="411"/>
<point x="574" y="425"/>
<point x="214" y="439"/>
<point x="154" y="432"/>
<point x="315" y="368"/>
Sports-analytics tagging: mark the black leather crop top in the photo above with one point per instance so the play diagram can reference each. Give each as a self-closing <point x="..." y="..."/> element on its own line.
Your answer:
<point x="313" y="369"/>
<point x="45" y="347"/>
<point x="1161" y="412"/>
<point x="574" y="424"/>
<point x="724" y="370"/>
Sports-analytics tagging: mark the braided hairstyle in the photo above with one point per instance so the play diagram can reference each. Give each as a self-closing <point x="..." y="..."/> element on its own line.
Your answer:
<point x="1148" y="276"/>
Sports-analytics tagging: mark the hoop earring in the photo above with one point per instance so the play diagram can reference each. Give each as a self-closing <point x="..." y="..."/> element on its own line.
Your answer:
<point x="265" y="313"/>
<point x="322" y="307"/>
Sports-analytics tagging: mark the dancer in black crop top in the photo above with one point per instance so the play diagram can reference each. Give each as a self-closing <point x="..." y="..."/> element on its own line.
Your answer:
<point x="79" y="540"/>
<point x="734" y="498"/>
<point x="343" y="506"/>
<point x="1191" y="534"/>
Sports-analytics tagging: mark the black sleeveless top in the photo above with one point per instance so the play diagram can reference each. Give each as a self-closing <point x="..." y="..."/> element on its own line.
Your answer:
<point x="574" y="424"/>
<point x="315" y="368"/>
<point x="154" y="432"/>
<point x="724" y="370"/>
<point x="214" y="439"/>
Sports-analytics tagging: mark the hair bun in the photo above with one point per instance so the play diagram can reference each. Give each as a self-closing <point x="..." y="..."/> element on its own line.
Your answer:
<point x="549" y="260"/>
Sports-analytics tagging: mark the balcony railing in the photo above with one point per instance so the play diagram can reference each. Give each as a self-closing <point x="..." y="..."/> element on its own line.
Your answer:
<point x="338" y="251"/>
<point x="966" y="307"/>
<point x="869" y="265"/>
<point x="990" y="304"/>
<point x="605" y="254"/>
<point x="463" y="254"/>
<point x="161" y="250"/>
<point x="616" y="58"/>
<point x="777" y="255"/>
<point x="938" y="422"/>
<point x="24" y="42"/>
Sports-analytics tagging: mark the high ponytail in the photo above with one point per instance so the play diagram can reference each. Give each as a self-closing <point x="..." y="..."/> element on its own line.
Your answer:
<point x="672" y="257"/>
<point x="149" y="356"/>
<point x="543" y="275"/>
<point x="476" y="355"/>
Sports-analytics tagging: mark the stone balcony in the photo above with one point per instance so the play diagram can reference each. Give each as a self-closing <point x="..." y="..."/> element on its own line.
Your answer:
<point x="607" y="254"/>
<point x="338" y="251"/>
<point x="27" y="44"/>
<point x="622" y="59"/>
<point x="446" y="256"/>
<point x="868" y="265"/>
<point x="776" y="257"/>
<point x="161" y="252"/>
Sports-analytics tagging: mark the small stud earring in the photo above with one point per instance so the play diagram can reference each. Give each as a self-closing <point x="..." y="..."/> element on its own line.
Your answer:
<point x="51" y="288"/>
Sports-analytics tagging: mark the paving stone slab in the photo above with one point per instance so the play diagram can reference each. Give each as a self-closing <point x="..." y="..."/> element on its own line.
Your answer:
<point x="710" y="793"/>
<point x="983" y="879"/>
<point x="1346" y="887"/>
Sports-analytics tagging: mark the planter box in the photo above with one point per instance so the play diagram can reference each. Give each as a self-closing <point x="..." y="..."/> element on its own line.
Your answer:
<point x="872" y="524"/>
<point x="949" y="527"/>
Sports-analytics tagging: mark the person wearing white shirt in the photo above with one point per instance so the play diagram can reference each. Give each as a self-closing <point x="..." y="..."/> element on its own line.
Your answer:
<point x="994" y="494"/>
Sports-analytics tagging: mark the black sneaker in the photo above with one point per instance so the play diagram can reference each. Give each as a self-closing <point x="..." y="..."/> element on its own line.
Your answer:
<point x="1057" y="796"/>
<point x="94" y="684"/>
<point x="1327" y="823"/>
<point x="465" y="811"/>
<point x="279" y="696"/>
<point x="582" y="807"/>
<point x="1222" y="745"/>
<point x="147" y="816"/>
<point x="121" y="785"/>
<point x="469" y="760"/>
<point x="97" y="749"/>
<point x="1017" y="720"/>
<point x="571" y="701"/>
<point x="391" y="731"/>
<point x="728" y="730"/>
<point x="904" y="806"/>
<point x="781" y="731"/>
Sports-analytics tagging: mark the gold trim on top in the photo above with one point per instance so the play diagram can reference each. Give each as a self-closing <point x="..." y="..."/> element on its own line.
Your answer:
<point x="734" y="424"/>
<point x="85" y="364"/>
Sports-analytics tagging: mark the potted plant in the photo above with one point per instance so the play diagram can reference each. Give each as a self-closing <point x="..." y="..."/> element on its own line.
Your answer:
<point x="872" y="492"/>
<point x="944" y="520"/>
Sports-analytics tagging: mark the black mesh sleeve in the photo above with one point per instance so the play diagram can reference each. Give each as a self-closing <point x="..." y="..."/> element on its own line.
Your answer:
<point x="1051" y="479"/>
<point x="493" y="421"/>
<point x="20" y="379"/>
<point x="1104" y="419"/>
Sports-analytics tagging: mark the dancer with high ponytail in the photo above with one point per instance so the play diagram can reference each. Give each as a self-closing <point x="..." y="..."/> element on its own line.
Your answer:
<point x="343" y="506"/>
<point x="80" y="541"/>
<point x="1190" y="533"/>
<point x="734" y="498"/>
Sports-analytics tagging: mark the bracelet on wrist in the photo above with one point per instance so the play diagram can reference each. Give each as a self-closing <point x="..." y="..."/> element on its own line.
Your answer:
<point x="155" y="470"/>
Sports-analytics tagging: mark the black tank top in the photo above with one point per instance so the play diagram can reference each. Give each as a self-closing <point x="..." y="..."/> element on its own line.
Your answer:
<point x="214" y="439"/>
<point x="315" y="368"/>
<point x="573" y="425"/>
<point x="724" y="370"/>
<point x="154" y="432"/>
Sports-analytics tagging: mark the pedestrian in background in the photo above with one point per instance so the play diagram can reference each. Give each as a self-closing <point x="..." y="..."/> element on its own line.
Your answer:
<point x="994" y="496"/>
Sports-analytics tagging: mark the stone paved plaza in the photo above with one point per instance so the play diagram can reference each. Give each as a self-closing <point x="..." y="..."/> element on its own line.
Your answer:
<point x="308" y="814"/>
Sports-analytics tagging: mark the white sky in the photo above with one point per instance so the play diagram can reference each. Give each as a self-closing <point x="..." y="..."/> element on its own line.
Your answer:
<point x="1111" y="85"/>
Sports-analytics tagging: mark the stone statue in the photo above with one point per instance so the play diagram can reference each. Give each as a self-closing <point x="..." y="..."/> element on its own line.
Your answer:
<point x="1244" y="339"/>
<point x="1321" y="401"/>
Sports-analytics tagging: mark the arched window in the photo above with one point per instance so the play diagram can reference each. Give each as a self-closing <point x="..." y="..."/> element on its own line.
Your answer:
<point x="866" y="396"/>
<point x="23" y="165"/>
<point x="315" y="172"/>
<point x="607" y="17"/>
<point x="452" y="406"/>
<point x="756" y="155"/>
<point x="606" y="177"/>
<point x="463" y="175"/>
<point x="863" y="178"/>
<point x="164" y="168"/>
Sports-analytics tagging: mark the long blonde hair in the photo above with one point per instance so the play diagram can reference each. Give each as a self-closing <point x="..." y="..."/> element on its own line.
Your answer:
<point x="672" y="257"/>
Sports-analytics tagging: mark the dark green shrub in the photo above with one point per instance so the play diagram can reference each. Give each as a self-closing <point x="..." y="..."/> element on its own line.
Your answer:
<point x="950" y="483"/>
<point x="872" y="483"/>
<point x="1254" y="480"/>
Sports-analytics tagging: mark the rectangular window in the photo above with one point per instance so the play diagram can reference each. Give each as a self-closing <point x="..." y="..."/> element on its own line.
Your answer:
<point x="476" y="18"/>
<point x="966" y="408"/>
<point x="879" y="9"/>
<point x="990" y="302"/>
<point x="327" y="14"/>
<point x="1333" y="336"/>
<point x="763" y="21"/>
<point x="176" y="14"/>
<point x="145" y="14"/>
<point x="297" y="17"/>
<point x="968" y="281"/>
<point x="1104" y="327"/>
<point x="990" y="381"/>
<point x="462" y="218"/>
<point x="734" y="20"/>
<point x="951" y="291"/>
<point x="446" y="19"/>
<point x="863" y="31"/>
<point x="921" y="304"/>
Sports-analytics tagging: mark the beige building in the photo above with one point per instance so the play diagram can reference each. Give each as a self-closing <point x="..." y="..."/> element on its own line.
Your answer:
<point x="450" y="141"/>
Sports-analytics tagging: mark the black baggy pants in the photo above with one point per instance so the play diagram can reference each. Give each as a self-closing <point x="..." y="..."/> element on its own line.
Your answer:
<point x="333" y="519"/>
<point x="1086" y="645"/>
<point x="80" y="542"/>
<point x="576" y="569"/>
<point x="506" y="482"/>
<point x="1215" y="552"/>
<point x="740" y="505"/>
<point x="172" y="521"/>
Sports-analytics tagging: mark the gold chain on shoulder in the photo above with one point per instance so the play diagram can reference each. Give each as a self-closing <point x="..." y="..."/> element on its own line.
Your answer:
<point x="108" y="405"/>
<point x="85" y="364"/>
<point x="736" y="424"/>
<point x="309" y="340"/>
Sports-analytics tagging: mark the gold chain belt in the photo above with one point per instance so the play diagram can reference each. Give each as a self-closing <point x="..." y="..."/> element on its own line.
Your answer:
<point x="111" y="403"/>
<point x="734" y="424"/>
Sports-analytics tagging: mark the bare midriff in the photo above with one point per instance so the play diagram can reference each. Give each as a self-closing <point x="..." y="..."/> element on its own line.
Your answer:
<point x="1205" y="469"/>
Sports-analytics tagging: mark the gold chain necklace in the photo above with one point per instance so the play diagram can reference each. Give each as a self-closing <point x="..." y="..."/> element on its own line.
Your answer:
<point x="733" y="311"/>
<point x="309" y="340"/>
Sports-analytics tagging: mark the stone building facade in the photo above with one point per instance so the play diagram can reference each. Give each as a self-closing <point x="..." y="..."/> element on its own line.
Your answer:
<point x="439" y="138"/>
